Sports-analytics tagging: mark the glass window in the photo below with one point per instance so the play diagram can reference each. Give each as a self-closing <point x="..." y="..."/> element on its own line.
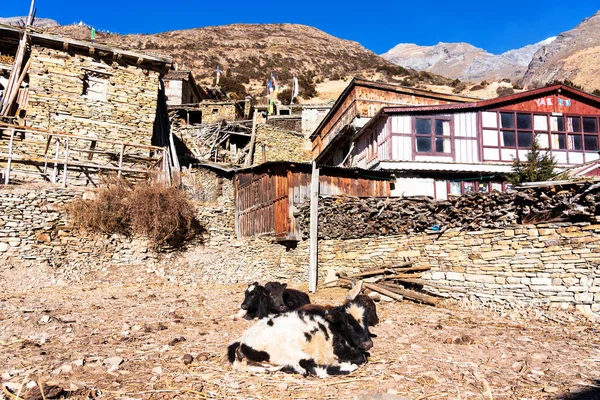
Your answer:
<point x="423" y="126"/>
<point x="559" y="141"/>
<point x="543" y="141"/>
<point x="424" y="144"/>
<point x="507" y="120"/>
<point x="468" y="187"/>
<point x="523" y="121"/>
<point x="455" y="188"/>
<point x="490" y="138"/>
<point x="573" y="124"/>
<point x="557" y="124"/>
<point x="540" y="122"/>
<point x="508" y="139"/>
<point x="589" y="125"/>
<point x="525" y="139"/>
<point x="482" y="187"/>
<point x="489" y="119"/>
<point x="575" y="142"/>
<point x="590" y="142"/>
<point x="439" y="127"/>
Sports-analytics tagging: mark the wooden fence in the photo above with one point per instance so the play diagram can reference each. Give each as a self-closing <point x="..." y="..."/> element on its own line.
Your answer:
<point x="60" y="158"/>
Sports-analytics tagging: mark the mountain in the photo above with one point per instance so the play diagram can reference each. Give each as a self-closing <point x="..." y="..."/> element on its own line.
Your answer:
<point x="247" y="54"/>
<point x="573" y="56"/>
<point x="20" y="21"/>
<point x="464" y="61"/>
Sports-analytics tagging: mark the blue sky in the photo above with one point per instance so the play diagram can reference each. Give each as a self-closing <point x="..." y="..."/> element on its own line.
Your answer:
<point x="496" y="26"/>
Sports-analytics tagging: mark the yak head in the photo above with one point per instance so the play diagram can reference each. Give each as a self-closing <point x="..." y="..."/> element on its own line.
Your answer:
<point x="275" y="291"/>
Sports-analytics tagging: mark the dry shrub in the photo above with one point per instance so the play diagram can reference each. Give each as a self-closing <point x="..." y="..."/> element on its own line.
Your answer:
<point x="162" y="213"/>
<point x="159" y="212"/>
<point x="108" y="213"/>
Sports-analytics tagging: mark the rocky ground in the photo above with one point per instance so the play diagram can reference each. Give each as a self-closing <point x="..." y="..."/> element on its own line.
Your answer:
<point x="129" y="334"/>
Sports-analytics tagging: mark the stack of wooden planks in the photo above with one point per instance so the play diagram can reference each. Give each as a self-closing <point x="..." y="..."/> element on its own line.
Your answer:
<point x="397" y="282"/>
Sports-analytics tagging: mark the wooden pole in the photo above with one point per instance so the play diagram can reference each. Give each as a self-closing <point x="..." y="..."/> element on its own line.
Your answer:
<point x="250" y="156"/>
<point x="10" y="152"/>
<point x="15" y="73"/>
<point x="121" y="159"/>
<point x="55" y="170"/>
<point x="314" y="222"/>
<point x="15" y="91"/>
<point x="66" y="162"/>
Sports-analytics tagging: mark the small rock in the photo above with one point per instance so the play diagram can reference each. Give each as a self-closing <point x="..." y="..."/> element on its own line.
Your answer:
<point x="113" y="361"/>
<point x="6" y="376"/>
<point x="550" y="389"/>
<point x="79" y="363"/>
<point x="187" y="359"/>
<point x="176" y="340"/>
<point x="31" y="384"/>
<point x="45" y="319"/>
<point x="157" y="371"/>
<point x="202" y="356"/>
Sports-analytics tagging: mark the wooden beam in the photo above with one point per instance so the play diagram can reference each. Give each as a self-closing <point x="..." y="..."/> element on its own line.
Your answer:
<point x="66" y="46"/>
<point x="250" y="156"/>
<point x="92" y="50"/>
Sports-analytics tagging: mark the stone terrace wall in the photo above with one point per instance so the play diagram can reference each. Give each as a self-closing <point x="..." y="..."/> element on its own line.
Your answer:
<point x="35" y="232"/>
<point x="545" y="264"/>
<point x="34" y="229"/>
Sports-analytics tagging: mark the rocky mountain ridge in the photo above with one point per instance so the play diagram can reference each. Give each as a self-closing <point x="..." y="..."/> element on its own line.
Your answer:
<point x="573" y="56"/>
<point x="464" y="61"/>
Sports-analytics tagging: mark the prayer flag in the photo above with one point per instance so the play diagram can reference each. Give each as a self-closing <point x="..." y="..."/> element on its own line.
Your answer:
<point x="271" y="106"/>
<point x="93" y="34"/>
<point x="296" y="89"/>
<point x="218" y="74"/>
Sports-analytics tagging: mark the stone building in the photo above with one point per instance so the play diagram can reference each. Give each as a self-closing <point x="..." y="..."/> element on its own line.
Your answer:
<point x="181" y="88"/>
<point x="81" y="104"/>
<point x="86" y="88"/>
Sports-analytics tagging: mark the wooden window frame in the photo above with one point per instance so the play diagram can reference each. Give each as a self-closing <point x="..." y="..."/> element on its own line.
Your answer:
<point x="432" y="136"/>
<point x="572" y="154"/>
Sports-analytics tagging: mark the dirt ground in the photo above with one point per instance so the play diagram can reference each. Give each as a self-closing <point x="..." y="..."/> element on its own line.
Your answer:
<point x="124" y="332"/>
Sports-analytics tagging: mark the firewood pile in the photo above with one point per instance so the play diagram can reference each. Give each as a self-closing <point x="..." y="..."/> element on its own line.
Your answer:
<point x="397" y="282"/>
<point x="352" y="218"/>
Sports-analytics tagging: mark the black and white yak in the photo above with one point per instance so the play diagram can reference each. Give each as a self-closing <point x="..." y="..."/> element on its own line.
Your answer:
<point x="314" y="340"/>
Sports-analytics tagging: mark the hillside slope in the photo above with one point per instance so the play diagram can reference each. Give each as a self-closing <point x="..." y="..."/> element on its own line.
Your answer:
<point x="249" y="53"/>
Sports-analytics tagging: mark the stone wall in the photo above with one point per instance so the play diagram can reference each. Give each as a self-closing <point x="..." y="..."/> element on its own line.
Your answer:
<point x="57" y="101"/>
<point x="312" y="117"/>
<point x="218" y="111"/>
<point x="289" y="123"/>
<point x="35" y="233"/>
<point x="274" y="144"/>
<point x="552" y="263"/>
<point x="34" y="230"/>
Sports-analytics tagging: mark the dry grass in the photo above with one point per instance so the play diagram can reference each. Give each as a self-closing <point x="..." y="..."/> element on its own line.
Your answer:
<point x="161" y="213"/>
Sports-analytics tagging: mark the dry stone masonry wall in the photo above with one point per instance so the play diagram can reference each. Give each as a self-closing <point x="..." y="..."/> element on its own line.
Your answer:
<point x="57" y="101"/>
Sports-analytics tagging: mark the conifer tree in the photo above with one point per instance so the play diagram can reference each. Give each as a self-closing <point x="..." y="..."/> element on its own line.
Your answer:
<point x="537" y="167"/>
